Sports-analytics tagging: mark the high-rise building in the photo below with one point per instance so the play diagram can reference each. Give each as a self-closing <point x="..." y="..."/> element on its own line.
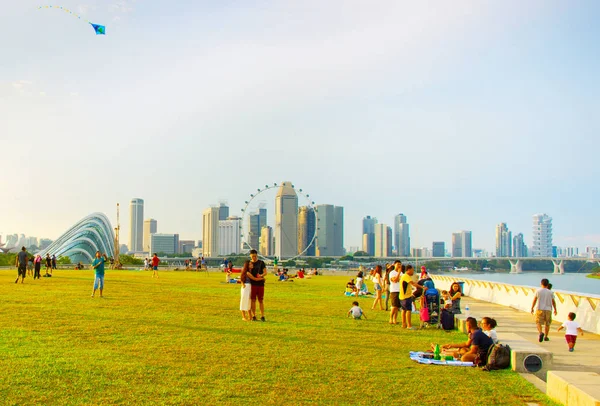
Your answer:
<point x="368" y="232"/>
<point x="286" y="221"/>
<point x="542" y="236"/>
<point x="266" y="241"/>
<point x="338" y="231"/>
<point x="503" y="241"/>
<point x="136" y="225"/>
<point x="462" y="244"/>
<point x="230" y="236"/>
<point x="45" y="243"/>
<point x="330" y="230"/>
<point x="210" y="232"/>
<point x="401" y="235"/>
<point x="383" y="241"/>
<point x="519" y="247"/>
<point x="164" y="243"/>
<point x="307" y="228"/>
<point x="223" y="211"/>
<point x="438" y="249"/>
<point x="256" y="221"/>
<point x="150" y="227"/>
<point x="572" y="252"/>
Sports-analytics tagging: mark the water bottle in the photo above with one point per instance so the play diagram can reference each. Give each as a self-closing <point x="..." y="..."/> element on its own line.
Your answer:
<point x="436" y="352"/>
<point x="467" y="313"/>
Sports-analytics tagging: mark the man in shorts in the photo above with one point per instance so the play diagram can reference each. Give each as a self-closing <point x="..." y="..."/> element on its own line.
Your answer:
<point x="98" y="266"/>
<point x="155" y="262"/>
<point x="406" y="296"/>
<point x="544" y="298"/>
<point x="21" y="264"/>
<point x="394" y="277"/>
<point x="257" y="274"/>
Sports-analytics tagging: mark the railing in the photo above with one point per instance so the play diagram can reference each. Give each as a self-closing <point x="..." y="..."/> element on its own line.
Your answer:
<point x="585" y="306"/>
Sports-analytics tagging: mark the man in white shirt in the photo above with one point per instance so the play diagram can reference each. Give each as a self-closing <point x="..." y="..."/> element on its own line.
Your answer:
<point x="544" y="298"/>
<point x="395" y="291"/>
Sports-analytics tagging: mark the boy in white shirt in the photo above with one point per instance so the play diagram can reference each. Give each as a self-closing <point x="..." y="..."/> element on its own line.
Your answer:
<point x="572" y="328"/>
<point x="356" y="312"/>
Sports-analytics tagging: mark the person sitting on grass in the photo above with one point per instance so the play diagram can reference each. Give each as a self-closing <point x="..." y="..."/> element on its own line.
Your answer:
<point x="459" y="349"/>
<point x="356" y="311"/>
<point x="488" y="325"/>
<point x="350" y="286"/>
<point x="479" y="344"/>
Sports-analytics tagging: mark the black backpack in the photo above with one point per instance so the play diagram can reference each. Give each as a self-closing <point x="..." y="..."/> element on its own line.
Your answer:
<point x="498" y="357"/>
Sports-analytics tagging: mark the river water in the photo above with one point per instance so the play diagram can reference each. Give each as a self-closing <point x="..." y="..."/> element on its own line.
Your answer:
<point x="569" y="282"/>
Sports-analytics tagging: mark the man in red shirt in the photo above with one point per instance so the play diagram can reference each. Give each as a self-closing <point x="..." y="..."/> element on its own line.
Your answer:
<point x="155" y="262"/>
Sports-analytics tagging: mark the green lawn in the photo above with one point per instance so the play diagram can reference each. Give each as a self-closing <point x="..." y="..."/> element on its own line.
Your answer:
<point x="180" y="340"/>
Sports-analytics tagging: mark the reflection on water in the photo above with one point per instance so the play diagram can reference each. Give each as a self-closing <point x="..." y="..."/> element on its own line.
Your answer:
<point x="572" y="282"/>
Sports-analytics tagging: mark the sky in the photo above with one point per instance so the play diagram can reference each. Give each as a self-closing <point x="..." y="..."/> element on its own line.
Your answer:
<point x="461" y="114"/>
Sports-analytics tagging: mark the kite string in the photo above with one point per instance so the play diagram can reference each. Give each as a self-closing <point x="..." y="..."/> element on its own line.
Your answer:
<point x="66" y="10"/>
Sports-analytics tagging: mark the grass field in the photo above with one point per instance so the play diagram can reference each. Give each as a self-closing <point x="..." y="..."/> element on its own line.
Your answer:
<point x="180" y="340"/>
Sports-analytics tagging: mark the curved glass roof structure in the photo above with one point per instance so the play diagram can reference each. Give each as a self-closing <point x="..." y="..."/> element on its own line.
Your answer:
<point x="81" y="241"/>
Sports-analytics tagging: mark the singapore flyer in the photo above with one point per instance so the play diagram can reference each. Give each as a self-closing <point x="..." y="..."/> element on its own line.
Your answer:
<point x="286" y="232"/>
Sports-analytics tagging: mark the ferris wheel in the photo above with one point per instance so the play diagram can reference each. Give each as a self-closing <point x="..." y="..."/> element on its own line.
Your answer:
<point x="254" y="197"/>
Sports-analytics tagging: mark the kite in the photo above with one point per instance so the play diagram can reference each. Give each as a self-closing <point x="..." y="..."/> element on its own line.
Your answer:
<point x="99" y="29"/>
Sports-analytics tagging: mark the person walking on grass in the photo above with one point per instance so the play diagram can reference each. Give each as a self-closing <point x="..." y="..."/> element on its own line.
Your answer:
<point x="257" y="271"/>
<point x="155" y="262"/>
<point x="572" y="328"/>
<point x="377" y="282"/>
<point x="98" y="266"/>
<point x="21" y="264"/>
<point x="544" y="298"/>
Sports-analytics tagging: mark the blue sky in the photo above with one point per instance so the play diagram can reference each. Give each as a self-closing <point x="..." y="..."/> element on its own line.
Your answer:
<point x="458" y="114"/>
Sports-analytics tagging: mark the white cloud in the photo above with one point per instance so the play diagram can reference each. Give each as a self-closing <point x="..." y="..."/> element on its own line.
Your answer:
<point x="74" y="94"/>
<point x="121" y="7"/>
<point x="42" y="94"/>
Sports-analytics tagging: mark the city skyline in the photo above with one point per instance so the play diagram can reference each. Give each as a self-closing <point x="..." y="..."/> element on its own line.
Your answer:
<point x="446" y="90"/>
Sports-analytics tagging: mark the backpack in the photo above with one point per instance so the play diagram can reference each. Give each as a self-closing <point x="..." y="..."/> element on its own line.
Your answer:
<point x="498" y="357"/>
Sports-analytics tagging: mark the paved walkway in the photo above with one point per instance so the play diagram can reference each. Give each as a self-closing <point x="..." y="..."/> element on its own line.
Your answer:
<point x="586" y="356"/>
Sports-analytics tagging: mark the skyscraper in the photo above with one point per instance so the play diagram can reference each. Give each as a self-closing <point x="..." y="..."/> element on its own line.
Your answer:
<point x="542" y="236"/>
<point x="210" y="232"/>
<point x="519" y="247"/>
<point x="256" y="222"/>
<point x="338" y="231"/>
<point x="462" y="244"/>
<point x="230" y="235"/>
<point x="401" y="235"/>
<point x="266" y="241"/>
<point x="136" y="225"/>
<point x="286" y="221"/>
<point x="383" y="241"/>
<point x="150" y="227"/>
<point x="368" y="231"/>
<point x="438" y="249"/>
<point x="306" y="230"/>
<point x="223" y="211"/>
<point x="503" y="241"/>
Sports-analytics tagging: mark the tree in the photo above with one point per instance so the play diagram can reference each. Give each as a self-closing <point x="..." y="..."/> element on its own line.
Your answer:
<point x="63" y="261"/>
<point x="130" y="260"/>
<point x="361" y="254"/>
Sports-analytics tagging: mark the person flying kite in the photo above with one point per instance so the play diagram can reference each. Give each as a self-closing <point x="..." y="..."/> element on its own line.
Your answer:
<point x="99" y="29"/>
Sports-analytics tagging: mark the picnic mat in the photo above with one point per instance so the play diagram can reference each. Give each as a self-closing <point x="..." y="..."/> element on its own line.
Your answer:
<point x="417" y="356"/>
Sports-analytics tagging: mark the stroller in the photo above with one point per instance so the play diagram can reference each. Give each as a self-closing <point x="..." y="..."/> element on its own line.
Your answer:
<point x="430" y="308"/>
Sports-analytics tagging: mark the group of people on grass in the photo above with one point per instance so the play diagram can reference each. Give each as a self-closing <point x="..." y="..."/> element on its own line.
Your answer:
<point x="31" y="265"/>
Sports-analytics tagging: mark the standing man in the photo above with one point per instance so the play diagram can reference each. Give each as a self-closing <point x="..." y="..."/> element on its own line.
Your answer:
<point x="545" y="302"/>
<point x="98" y="266"/>
<point x="394" y="277"/>
<point x="21" y="264"/>
<point x="155" y="262"/>
<point x="257" y="273"/>
<point x="53" y="263"/>
<point x="48" y="265"/>
<point x="406" y="296"/>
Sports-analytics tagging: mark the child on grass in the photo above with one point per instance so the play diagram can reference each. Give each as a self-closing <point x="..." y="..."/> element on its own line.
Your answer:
<point x="356" y="311"/>
<point x="446" y="299"/>
<point x="572" y="327"/>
